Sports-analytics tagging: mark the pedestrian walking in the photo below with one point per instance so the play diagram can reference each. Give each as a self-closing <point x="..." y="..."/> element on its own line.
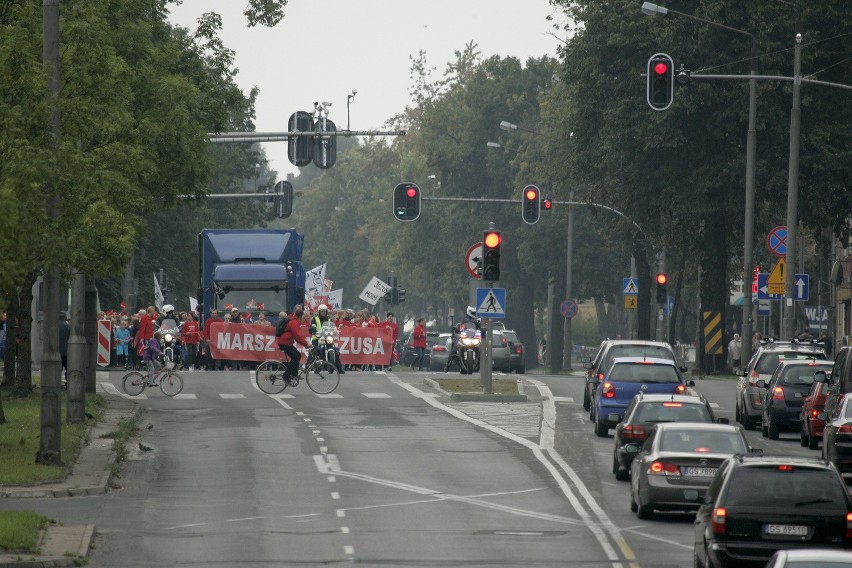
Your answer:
<point x="735" y="353"/>
<point x="419" y="344"/>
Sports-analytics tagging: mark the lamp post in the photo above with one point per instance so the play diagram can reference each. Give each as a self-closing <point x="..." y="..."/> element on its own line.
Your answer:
<point x="651" y="9"/>
<point x="349" y="98"/>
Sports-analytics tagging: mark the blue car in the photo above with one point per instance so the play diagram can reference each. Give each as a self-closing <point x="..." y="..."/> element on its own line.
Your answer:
<point x="625" y="378"/>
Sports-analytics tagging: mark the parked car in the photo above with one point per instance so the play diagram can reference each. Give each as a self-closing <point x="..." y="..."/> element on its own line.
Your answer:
<point x="507" y="352"/>
<point x="785" y="394"/>
<point x="612" y="348"/>
<point x="440" y="352"/>
<point x="749" y="397"/>
<point x="811" y="558"/>
<point x="646" y="410"/>
<point x="759" y="504"/>
<point x="625" y="378"/>
<point x="837" y="437"/>
<point x="812" y="424"/>
<point x="678" y="457"/>
<point x="840" y="380"/>
<point x="408" y="352"/>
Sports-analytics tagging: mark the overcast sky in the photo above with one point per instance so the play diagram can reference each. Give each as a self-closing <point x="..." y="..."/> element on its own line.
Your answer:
<point x="325" y="48"/>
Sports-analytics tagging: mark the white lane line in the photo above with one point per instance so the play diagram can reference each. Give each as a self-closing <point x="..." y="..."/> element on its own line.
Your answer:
<point x="330" y="395"/>
<point x="335" y="495"/>
<point x="340" y="513"/>
<point x="227" y="396"/>
<point x="349" y="550"/>
<point x="185" y="397"/>
<point x="109" y="388"/>
<point x="287" y="395"/>
<point x="643" y="532"/>
<point x="563" y="399"/>
<point x="714" y="405"/>
<point x="320" y="439"/>
<point x="344" y="530"/>
<point x="376" y="394"/>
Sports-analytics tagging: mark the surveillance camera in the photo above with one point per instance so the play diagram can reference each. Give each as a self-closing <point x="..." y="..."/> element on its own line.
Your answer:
<point x="326" y="104"/>
<point x="316" y="104"/>
<point x="798" y="37"/>
<point x="354" y="91"/>
<point x="431" y="177"/>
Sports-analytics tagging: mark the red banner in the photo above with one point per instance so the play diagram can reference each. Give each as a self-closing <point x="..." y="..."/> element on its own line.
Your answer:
<point x="249" y="342"/>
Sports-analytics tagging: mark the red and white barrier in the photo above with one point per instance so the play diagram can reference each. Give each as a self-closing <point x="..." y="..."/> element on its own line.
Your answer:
<point x="104" y="336"/>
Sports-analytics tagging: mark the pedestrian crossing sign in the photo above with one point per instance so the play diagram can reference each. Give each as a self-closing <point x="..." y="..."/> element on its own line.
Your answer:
<point x="491" y="302"/>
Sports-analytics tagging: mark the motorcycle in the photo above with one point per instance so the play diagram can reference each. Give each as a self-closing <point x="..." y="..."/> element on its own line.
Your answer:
<point x="326" y="342"/>
<point x="467" y="348"/>
<point x="170" y="330"/>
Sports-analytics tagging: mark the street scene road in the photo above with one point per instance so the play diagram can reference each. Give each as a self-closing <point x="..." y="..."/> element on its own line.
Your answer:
<point x="384" y="471"/>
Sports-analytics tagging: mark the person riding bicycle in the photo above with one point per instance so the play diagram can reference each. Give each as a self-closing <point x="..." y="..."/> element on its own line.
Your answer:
<point x="287" y="338"/>
<point x="317" y="322"/>
<point x="469" y="317"/>
<point x="151" y="357"/>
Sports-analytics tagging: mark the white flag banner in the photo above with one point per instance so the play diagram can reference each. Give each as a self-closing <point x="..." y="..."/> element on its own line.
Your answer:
<point x="327" y="285"/>
<point x="158" y="294"/>
<point x="315" y="280"/>
<point x="374" y="291"/>
<point x="193" y="304"/>
<point x="335" y="299"/>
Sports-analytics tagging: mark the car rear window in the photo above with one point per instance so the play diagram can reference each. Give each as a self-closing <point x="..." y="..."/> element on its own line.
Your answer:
<point x="802" y="374"/>
<point x="797" y="488"/>
<point x="702" y="441"/>
<point x="767" y="364"/>
<point x="657" y="351"/>
<point x="644" y="373"/>
<point x="672" y="412"/>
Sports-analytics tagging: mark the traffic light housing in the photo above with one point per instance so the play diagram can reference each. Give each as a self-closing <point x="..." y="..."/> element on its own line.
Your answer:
<point x="660" y="81"/>
<point x="283" y="201"/>
<point x="662" y="288"/>
<point x="491" y="241"/>
<point x="400" y="295"/>
<point x="406" y="202"/>
<point x="531" y="205"/>
<point x="546" y="203"/>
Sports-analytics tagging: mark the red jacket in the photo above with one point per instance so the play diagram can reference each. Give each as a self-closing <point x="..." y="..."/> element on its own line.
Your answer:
<point x="292" y="334"/>
<point x="146" y="329"/>
<point x="190" y="333"/>
<point x="419" y="336"/>
<point x="210" y="321"/>
<point x="393" y="326"/>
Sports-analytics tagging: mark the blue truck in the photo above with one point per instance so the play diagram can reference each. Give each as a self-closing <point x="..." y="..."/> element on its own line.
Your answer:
<point x="253" y="270"/>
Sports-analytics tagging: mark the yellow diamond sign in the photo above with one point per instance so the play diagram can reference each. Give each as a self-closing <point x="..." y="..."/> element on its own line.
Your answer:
<point x="775" y="282"/>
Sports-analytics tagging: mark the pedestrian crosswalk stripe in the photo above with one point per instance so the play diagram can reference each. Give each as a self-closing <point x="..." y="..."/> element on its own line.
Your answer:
<point x="225" y="395"/>
<point x="376" y="394"/>
<point x="330" y="395"/>
<point x="285" y="395"/>
<point x="185" y="396"/>
<point x="563" y="399"/>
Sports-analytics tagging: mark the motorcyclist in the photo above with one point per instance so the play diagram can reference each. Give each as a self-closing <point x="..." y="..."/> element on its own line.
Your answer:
<point x="320" y="318"/>
<point x="169" y="314"/>
<point x="469" y="317"/>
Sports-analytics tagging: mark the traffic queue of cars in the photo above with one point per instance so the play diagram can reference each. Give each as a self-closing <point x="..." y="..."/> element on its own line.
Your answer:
<point x="751" y="509"/>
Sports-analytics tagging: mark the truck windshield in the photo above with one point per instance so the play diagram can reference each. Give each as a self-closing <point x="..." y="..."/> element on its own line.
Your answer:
<point x="254" y="301"/>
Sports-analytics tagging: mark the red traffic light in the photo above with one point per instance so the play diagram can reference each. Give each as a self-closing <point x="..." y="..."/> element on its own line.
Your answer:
<point x="662" y="278"/>
<point x="547" y="203"/>
<point x="411" y="192"/>
<point x="492" y="240"/>
<point x="531" y="194"/>
<point x="660" y="68"/>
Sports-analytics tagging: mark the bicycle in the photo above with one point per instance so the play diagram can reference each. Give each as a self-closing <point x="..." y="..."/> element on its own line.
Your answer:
<point x="171" y="384"/>
<point x="321" y="376"/>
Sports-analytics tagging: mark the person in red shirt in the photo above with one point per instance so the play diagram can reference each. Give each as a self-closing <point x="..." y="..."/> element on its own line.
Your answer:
<point x="190" y="337"/>
<point x="291" y="335"/>
<point x="146" y="328"/>
<point x="205" y="334"/>
<point x="419" y="344"/>
<point x="391" y="323"/>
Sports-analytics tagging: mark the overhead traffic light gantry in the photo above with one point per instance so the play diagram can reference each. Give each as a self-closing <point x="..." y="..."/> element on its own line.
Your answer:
<point x="406" y="202"/>
<point x="660" y="81"/>
<point x="531" y="205"/>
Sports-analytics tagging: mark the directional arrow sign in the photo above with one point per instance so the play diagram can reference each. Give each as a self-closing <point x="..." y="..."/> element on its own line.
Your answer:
<point x="801" y="288"/>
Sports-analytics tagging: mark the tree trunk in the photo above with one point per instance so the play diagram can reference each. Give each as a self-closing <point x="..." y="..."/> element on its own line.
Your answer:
<point x="11" y="340"/>
<point x="23" y="382"/>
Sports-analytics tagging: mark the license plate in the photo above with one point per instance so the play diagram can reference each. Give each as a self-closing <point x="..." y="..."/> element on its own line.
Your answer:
<point x="699" y="471"/>
<point x="786" y="530"/>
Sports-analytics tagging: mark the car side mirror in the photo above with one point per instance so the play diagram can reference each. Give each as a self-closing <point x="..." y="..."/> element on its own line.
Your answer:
<point x="755" y="450"/>
<point x="822" y="415"/>
<point x="761" y="383"/>
<point x="691" y="495"/>
<point x="690" y="383"/>
<point x="632" y="448"/>
<point x="722" y="421"/>
<point x="585" y="360"/>
<point x="683" y="368"/>
<point x="820" y="377"/>
<point x="587" y="364"/>
<point x="614" y="417"/>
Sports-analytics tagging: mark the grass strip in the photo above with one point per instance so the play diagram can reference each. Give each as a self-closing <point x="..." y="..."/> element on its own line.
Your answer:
<point x="20" y="530"/>
<point x="498" y="386"/>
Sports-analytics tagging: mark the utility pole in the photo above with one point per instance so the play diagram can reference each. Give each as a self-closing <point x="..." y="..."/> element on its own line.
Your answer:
<point x="569" y="259"/>
<point x="50" y="445"/>
<point x="789" y="322"/>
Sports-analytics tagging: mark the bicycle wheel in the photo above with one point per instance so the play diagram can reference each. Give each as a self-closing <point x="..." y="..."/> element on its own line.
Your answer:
<point x="270" y="377"/>
<point x="322" y="377"/>
<point x="133" y="383"/>
<point x="171" y="383"/>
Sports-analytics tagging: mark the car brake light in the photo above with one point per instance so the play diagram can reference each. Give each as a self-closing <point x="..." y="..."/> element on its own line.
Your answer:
<point x="848" y="525"/>
<point x="752" y="379"/>
<point x="785" y="468"/>
<point x="600" y="377"/>
<point x="680" y="389"/>
<point x="777" y="393"/>
<point x="720" y="516"/>
<point x="439" y="348"/>
<point x="519" y="349"/>
<point x="635" y="433"/>
<point x="663" y="468"/>
<point x="608" y="390"/>
<point x="814" y="412"/>
<point x="673" y="404"/>
<point x="845" y="429"/>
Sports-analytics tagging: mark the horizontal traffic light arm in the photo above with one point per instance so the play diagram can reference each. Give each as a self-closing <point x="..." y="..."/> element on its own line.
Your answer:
<point x="232" y="137"/>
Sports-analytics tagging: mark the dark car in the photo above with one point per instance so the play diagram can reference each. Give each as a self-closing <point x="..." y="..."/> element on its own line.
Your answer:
<point x="785" y="394"/>
<point x="759" y="504"/>
<point x="646" y="410"/>
<point x="679" y="457"/>
<point x="837" y="437"/>
<point x="749" y="403"/>
<point x="812" y="424"/>
<point x="507" y="352"/>
<point x="612" y="348"/>
<point x="627" y="377"/>
<point x="408" y="352"/>
<point x="440" y="352"/>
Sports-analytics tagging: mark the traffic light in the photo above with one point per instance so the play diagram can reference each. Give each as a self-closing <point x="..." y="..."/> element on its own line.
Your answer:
<point x="660" y="81"/>
<point x="491" y="242"/>
<point x="546" y="203"/>
<point x="406" y="202"/>
<point x="394" y="296"/>
<point x="389" y="296"/>
<point x="283" y="199"/>
<point x="662" y="292"/>
<point x="400" y="295"/>
<point x="300" y="149"/>
<point x="531" y="205"/>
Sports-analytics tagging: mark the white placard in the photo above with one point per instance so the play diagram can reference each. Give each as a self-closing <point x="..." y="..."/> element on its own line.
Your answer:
<point x="374" y="291"/>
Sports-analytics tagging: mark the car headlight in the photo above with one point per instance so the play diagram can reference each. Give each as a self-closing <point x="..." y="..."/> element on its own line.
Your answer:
<point x="169" y="337"/>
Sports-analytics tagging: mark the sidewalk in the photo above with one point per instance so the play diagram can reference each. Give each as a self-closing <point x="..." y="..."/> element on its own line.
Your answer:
<point x="67" y="545"/>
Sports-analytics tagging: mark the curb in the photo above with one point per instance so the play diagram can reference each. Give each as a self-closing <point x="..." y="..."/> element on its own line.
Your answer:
<point x="479" y="397"/>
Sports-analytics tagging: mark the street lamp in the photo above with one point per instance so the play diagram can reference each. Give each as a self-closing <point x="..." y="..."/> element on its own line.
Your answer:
<point x="349" y="98"/>
<point x="509" y="127"/>
<point x="493" y="144"/>
<point x="651" y="9"/>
